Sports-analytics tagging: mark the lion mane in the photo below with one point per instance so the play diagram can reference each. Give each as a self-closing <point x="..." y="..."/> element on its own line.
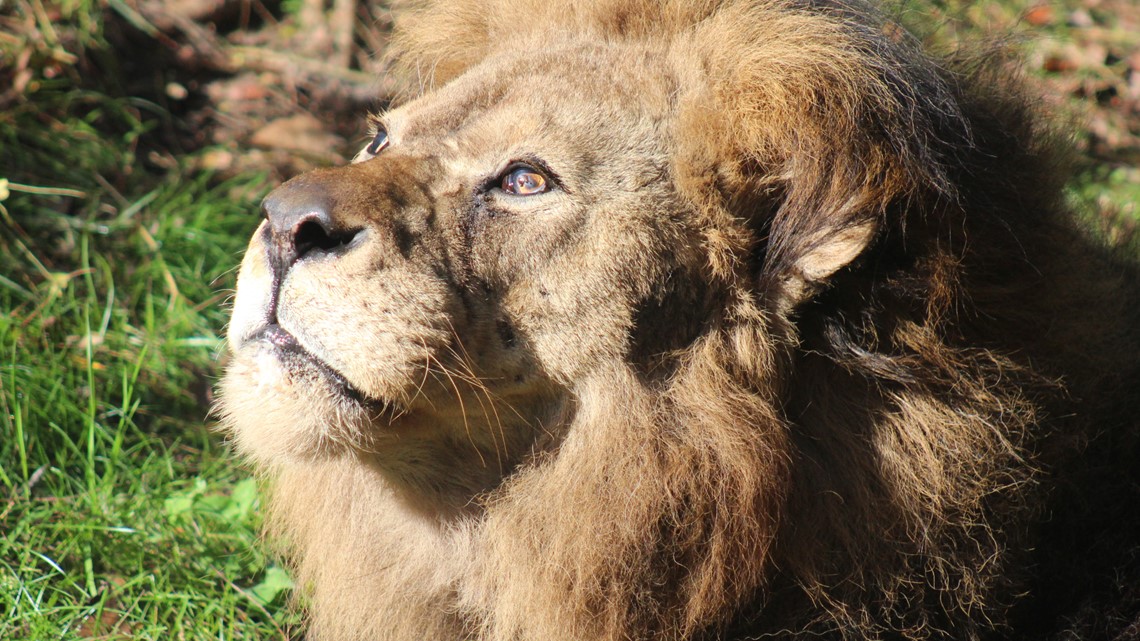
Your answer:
<point x="881" y="386"/>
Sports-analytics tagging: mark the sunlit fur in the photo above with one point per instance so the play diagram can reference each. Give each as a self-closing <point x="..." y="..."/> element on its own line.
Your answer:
<point x="836" y="371"/>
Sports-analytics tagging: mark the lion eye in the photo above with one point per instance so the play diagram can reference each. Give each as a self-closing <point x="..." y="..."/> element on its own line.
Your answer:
<point x="379" y="142"/>
<point x="524" y="181"/>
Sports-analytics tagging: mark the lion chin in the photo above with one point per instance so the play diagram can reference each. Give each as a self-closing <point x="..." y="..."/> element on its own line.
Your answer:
<point x="732" y="319"/>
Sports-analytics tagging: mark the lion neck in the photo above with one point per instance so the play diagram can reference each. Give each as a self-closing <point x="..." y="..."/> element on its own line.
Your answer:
<point x="441" y="471"/>
<point x="701" y="460"/>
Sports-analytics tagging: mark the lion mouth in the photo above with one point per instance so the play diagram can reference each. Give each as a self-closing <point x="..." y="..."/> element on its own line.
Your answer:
<point x="293" y="354"/>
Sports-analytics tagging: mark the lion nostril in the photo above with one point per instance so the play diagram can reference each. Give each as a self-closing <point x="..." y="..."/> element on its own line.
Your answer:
<point x="303" y="218"/>
<point x="312" y="233"/>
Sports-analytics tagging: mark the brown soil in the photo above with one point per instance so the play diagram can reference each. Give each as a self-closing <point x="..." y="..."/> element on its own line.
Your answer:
<point x="283" y="85"/>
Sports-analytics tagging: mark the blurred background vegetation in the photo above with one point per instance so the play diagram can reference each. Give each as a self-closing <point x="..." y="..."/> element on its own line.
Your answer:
<point x="136" y="138"/>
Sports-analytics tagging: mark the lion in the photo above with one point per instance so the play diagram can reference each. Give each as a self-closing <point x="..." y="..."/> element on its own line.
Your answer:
<point x="679" y="320"/>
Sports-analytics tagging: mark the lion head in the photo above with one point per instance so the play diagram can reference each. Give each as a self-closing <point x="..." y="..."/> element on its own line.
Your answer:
<point x="665" y="320"/>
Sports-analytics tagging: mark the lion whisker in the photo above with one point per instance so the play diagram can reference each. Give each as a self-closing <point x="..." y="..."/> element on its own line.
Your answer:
<point x="479" y="388"/>
<point x="462" y="409"/>
<point x="463" y="359"/>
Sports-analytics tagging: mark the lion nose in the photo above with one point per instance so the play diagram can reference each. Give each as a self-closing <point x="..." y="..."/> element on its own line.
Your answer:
<point x="301" y="221"/>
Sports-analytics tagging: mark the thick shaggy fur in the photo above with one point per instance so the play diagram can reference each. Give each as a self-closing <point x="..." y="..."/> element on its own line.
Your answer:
<point x="819" y="352"/>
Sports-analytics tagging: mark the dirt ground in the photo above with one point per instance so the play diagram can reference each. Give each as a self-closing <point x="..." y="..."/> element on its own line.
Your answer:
<point x="282" y="85"/>
<point x="1096" y="70"/>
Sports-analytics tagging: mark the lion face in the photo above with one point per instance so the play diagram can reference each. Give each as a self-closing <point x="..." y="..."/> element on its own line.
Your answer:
<point x="444" y="292"/>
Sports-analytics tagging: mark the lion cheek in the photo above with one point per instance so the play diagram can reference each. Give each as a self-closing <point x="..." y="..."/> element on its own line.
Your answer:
<point x="569" y="349"/>
<point x="573" y="328"/>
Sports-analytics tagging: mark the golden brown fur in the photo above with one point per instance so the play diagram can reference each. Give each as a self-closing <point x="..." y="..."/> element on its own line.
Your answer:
<point x="802" y="342"/>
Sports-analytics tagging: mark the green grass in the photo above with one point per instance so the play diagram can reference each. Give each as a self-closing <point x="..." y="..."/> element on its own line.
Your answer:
<point x="122" y="514"/>
<point x="120" y="505"/>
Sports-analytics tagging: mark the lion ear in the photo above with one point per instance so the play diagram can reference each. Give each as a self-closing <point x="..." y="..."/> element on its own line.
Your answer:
<point x="799" y="262"/>
<point x="834" y="252"/>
